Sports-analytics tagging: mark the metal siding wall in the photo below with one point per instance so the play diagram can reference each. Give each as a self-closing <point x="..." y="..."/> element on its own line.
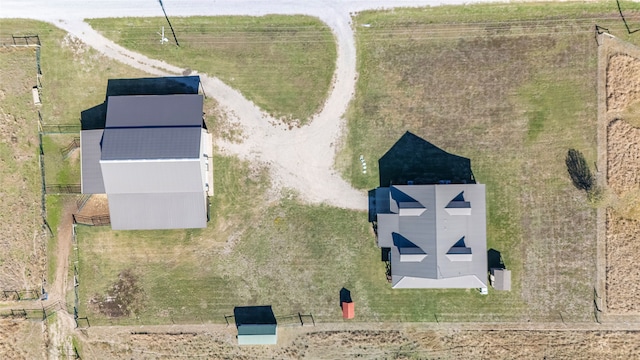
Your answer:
<point x="147" y="177"/>
<point x="158" y="211"/>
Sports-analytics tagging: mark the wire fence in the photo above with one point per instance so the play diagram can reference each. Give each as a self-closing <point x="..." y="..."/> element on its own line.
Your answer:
<point x="17" y="295"/>
<point x="93" y="220"/>
<point x="61" y="189"/>
<point x="82" y="201"/>
<point x="35" y="313"/>
<point x="74" y="144"/>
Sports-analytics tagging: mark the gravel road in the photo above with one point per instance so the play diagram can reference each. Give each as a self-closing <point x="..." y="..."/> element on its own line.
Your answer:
<point x="301" y="158"/>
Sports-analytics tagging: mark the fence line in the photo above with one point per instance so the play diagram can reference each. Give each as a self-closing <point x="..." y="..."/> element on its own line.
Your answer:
<point x="57" y="189"/>
<point x="95" y="220"/>
<point x="59" y="129"/>
<point x="23" y="294"/>
<point x="80" y="203"/>
<point x="74" y="144"/>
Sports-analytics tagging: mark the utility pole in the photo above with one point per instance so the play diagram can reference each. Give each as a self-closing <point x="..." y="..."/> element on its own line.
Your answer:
<point x="170" y="26"/>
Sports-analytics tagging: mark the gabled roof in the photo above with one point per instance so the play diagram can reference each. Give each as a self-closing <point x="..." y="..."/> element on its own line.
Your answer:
<point x="432" y="247"/>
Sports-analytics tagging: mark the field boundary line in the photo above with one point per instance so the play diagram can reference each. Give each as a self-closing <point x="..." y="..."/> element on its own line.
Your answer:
<point x="609" y="46"/>
<point x="601" y="226"/>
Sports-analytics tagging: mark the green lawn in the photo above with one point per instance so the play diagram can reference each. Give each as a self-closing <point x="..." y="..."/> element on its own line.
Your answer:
<point x="512" y="87"/>
<point x="74" y="78"/>
<point x="258" y="251"/>
<point x="282" y="63"/>
<point x="61" y="167"/>
<point x="512" y="97"/>
<point x="74" y="75"/>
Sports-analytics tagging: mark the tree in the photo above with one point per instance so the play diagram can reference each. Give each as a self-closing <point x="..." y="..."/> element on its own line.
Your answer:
<point x="579" y="171"/>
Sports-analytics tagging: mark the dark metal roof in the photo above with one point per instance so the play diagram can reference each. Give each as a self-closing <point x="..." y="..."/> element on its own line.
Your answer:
<point x="254" y="315"/>
<point x="152" y="127"/>
<point x="151" y="143"/>
<point x="154" y="110"/>
<point x="91" y="172"/>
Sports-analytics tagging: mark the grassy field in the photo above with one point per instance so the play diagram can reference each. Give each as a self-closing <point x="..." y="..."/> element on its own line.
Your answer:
<point x="74" y="76"/>
<point x="511" y="96"/>
<point x="257" y="250"/>
<point x="22" y="242"/>
<point x="282" y="63"/>
<point x="74" y="79"/>
<point x="61" y="167"/>
<point x="512" y="87"/>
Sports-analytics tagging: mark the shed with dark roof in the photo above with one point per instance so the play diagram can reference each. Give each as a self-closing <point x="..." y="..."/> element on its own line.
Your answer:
<point x="256" y="325"/>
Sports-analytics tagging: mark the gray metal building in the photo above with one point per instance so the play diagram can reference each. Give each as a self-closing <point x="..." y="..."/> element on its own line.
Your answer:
<point x="436" y="234"/>
<point x="153" y="160"/>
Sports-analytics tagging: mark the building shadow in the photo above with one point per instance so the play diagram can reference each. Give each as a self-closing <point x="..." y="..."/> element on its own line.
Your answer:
<point x="372" y="205"/>
<point x="413" y="160"/>
<point x="95" y="118"/>
<point x="494" y="260"/>
<point x="385" y="254"/>
<point x="345" y="296"/>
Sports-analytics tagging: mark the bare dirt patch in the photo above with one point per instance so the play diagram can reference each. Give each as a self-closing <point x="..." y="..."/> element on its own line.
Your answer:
<point x="623" y="178"/>
<point x="123" y="298"/>
<point x="96" y="205"/>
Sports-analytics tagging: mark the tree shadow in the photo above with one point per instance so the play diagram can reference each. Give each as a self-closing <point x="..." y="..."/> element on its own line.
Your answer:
<point x="413" y="160"/>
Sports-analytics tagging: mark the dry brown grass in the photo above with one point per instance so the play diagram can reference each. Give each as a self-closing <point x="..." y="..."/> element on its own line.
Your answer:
<point x="623" y="85"/>
<point x="623" y="178"/>
<point x="623" y="271"/>
<point x="22" y="241"/>
<point x="21" y="339"/>
<point x="296" y="343"/>
<point x="623" y="156"/>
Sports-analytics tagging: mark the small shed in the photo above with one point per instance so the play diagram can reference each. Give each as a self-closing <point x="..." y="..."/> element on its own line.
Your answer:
<point x="348" y="310"/>
<point x="501" y="279"/>
<point x="256" y="325"/>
